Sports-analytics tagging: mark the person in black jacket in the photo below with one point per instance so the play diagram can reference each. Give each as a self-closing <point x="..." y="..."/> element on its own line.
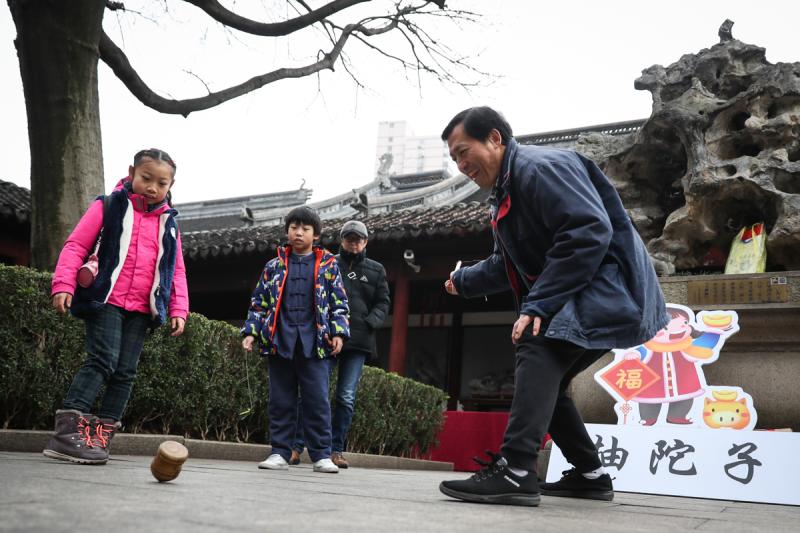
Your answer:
<point x="368" y="297"/>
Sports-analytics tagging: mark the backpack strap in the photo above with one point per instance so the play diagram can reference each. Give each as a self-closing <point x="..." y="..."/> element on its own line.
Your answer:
<point x="106" y="206"/>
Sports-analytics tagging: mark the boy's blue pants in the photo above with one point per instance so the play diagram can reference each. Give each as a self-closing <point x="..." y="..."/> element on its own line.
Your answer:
<point x="351" y="365"/>
<point x="309" y="377"/>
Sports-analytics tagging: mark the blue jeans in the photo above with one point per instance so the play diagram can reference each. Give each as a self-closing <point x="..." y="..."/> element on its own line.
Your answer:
<point x="114" y="340"/>
<point x="288" y="379"/>
<point x="350" y="366"/>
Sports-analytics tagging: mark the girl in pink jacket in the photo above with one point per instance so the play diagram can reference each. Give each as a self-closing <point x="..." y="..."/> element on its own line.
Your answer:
<point x="140" y="284"/>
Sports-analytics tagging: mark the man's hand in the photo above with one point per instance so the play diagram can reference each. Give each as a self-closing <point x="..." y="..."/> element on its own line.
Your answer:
<point x="449" y="286"/>
<point x="523" y="322"/>
<point x="62" y="301"/>
<point x="177" y="324"/>
<point x="336" y="345"/>
<point x="247" y="343"/>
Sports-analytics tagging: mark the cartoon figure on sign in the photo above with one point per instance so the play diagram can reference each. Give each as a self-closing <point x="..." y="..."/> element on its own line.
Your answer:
<point x="666" y="370"/>
<point x="729" y="409"/>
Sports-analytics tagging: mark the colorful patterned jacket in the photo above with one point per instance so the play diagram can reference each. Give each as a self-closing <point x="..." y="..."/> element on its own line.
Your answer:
<point x="330" y="302"/>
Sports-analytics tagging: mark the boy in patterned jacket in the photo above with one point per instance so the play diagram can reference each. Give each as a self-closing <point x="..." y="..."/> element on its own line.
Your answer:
<point x="299" y="315"/>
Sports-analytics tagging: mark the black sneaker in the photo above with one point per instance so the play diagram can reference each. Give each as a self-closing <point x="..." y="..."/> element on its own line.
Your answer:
<point x="495" y="483"/>
<point x="574" y="485"/>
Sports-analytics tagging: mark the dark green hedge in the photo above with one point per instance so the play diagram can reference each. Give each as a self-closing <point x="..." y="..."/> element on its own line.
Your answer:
<point x="201" y="384"/>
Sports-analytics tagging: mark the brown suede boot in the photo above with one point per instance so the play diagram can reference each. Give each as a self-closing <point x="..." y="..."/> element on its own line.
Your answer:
<point x="73" y="439"/>
<point x="339" y="460"/>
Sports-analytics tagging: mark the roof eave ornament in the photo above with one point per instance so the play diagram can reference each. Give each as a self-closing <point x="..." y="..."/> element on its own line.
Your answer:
<point x="384" y="173"/>
<point x="360" y="203"/>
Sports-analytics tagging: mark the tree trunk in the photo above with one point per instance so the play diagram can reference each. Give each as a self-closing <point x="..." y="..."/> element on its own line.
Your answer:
<point x="57" y="45"/>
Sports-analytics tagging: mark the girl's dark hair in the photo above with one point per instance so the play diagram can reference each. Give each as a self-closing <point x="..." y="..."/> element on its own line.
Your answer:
<point x="156" y="155"/>
<point x="303" y="215"/>
<point x="479" y="123"/>
<point x="674" y="312"/>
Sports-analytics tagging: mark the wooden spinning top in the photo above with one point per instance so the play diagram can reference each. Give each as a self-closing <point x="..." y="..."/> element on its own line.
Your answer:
<point x="167" y="463"/>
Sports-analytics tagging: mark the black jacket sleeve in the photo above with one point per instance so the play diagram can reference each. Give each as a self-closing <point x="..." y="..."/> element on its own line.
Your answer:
<point x="380" y="302"/>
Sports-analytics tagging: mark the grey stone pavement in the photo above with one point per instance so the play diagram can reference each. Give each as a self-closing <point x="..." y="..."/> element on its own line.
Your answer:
<point x="40" y="494"/>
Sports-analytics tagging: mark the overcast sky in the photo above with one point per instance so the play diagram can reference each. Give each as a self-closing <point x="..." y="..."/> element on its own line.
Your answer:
<point x="560" y="65"/>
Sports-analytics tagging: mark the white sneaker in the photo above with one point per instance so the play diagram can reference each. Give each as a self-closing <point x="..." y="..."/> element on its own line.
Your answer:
<point x="326" y="466"/>
<point x="274" y="462"/>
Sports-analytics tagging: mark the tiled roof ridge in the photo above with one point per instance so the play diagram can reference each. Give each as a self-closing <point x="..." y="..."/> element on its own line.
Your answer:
<point x="15" y="201"/>
<point x="459" y="219"/>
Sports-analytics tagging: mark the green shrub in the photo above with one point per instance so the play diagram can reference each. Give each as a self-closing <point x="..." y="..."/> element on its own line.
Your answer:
<point x="395" y="415"/>
<point x="39" y="350"/>
<point x="201" y="384"/>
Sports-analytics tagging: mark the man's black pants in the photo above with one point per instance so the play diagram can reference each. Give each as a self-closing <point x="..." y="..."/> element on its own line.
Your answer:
<point x="544" y="369"/>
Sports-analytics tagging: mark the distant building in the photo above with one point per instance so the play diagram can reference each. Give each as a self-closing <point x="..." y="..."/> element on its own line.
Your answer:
<point x="390" y="190"/>
<point x="410" y="154"/>
<point x="384" y="194"/>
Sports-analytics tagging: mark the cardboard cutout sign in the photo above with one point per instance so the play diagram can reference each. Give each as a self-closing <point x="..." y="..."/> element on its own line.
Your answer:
<point x="675" y="434"/>
<point x="661" y="382"/>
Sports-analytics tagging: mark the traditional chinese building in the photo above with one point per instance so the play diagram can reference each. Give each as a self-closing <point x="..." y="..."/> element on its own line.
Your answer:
<point x="15" y="221"/>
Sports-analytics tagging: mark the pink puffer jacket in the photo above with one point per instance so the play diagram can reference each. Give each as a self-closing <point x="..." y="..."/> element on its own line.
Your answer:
<point x="132" y="288"/>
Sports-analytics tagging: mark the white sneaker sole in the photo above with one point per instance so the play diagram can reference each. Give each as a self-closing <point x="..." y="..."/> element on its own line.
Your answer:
<point x="264" y="466"/>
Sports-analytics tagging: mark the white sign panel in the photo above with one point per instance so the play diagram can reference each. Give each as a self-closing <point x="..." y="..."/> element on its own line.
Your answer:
<point x="754" y="466"/>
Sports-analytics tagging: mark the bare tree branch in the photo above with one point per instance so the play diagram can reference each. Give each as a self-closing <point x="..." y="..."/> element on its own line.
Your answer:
<point x="437" y="61"/>
<point x="118" y="61"/>
<point x="324" y="26"/>
<point x="271" y="29"/>
<point x="440" y="58"/>
<point x="345" y="60"/>
<point x="201" y="80"/>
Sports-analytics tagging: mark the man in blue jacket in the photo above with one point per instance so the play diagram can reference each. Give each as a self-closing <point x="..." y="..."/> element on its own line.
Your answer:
<point x="582" y="282"/>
